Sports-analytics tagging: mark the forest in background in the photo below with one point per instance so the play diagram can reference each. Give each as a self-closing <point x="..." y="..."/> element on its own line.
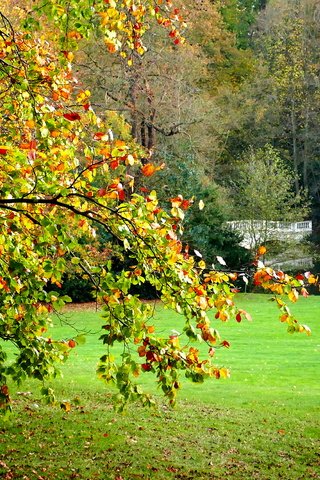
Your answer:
<point x="230" y="116"/>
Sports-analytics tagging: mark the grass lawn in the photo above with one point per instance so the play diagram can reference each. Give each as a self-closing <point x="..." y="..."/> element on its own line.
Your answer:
<point x="262" y="423"/>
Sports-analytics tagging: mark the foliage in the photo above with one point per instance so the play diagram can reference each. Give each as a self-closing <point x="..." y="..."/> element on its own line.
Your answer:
<point x="239" y="16"/>
<point x="64" y="174"/>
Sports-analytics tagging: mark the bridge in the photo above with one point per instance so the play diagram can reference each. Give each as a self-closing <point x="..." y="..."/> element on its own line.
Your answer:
<point x="257" y="232"/>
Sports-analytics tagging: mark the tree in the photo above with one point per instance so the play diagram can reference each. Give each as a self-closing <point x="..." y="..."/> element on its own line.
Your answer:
<point x="265" y="193"/>
<point x="63" y="175"/>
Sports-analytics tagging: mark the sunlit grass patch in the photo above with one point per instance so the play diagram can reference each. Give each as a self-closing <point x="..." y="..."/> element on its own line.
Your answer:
<point x="262" y="423"/>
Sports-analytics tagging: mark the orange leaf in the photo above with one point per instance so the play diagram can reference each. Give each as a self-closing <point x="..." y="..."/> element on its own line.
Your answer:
<point x="261" y="250"/>
<point x="74" y="34"/>
<point x="28" y="146"/>
<point x="148" y="170"/>
<point x="54" y="133"/>
<point x="30" y="123"/>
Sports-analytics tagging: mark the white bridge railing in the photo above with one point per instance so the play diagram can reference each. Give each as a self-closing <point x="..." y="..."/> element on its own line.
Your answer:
<point x="244" y="226"/>
<point x="256" y="232"/>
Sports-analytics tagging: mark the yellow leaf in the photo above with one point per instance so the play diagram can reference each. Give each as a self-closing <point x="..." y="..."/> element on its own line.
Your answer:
<point x="224" y="373"/>
<point x="65" y="406"/>
<point x="203" y="303"/>
<point x="293" y="295"/>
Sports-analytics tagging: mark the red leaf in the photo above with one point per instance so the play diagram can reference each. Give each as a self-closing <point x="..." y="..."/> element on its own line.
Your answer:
<point x="146" y="367"/>
<point x="98" y="135"/>
<point x="185" y="204"/>
<point x="238" y="317"/>
<point x="3" y="151"/>
<point x="102" y="192"/>
<point x="114" y="164"/>
<point x="72" y="116"/>
<point x="121" y="194"/>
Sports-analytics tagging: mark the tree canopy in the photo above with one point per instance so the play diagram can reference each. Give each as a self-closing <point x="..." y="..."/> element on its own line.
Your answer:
<point x="65" y="174"/>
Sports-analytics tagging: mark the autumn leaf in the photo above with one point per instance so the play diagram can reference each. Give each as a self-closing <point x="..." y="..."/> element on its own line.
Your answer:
<point x="114" y="164"/>
<point x="293" y="295"/>
<point x="121" y="194"/>
<point x="72" y="116"/>
<point x="29" y="145"/>
<point x="148" y="170"/>
<point x="68" y="55"/>
<point x="261" y="251"/>
<point x="146" y="367"/>
<point x="75" y="35"/>
<point x="66" y="406"/>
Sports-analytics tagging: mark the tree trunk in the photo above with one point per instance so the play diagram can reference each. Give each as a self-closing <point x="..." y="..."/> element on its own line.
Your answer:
<point x="294" y="145"/>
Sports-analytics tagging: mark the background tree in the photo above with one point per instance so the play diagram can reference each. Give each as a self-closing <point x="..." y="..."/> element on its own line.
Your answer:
<point x="265" y="193"/>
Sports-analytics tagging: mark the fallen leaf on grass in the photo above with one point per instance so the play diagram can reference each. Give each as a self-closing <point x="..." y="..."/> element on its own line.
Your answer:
<point x="172" y="469"/>
<point x="150" y="467"/>
<point x="65" y="406"/>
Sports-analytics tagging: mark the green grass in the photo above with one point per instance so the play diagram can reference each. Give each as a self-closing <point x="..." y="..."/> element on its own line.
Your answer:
<point x="262" y="423"/>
